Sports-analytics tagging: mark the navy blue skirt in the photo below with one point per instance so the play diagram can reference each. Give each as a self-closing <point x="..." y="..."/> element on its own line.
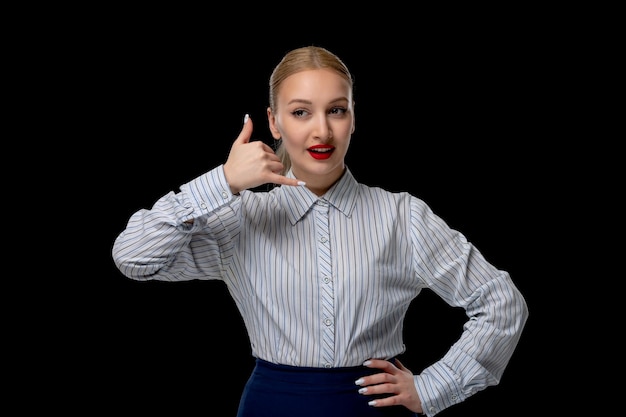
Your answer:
<point x="288" y="391"/>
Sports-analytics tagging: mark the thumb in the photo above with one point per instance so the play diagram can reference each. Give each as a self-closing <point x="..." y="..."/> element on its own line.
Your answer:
<point x="246" y="131"/>
<point x="400" y="365"/>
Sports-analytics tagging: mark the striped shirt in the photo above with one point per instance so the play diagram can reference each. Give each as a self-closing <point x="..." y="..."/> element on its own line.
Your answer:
<point x="327" y="281"/>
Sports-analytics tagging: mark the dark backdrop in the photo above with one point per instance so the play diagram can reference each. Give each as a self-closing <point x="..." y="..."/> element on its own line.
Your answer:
<point x="453" y="115"/>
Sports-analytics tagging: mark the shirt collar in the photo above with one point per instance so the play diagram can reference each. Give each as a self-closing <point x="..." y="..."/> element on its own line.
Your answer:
<point x="297" y="201"/>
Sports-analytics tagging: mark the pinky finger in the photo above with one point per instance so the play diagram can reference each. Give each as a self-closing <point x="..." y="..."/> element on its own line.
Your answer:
<point x="281" y="179"/>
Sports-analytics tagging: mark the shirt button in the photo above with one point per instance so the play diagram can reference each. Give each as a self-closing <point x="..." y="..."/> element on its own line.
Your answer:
<point x="328" y="365"/>
<point x="323" y="239"/>
<point x="224" y="194"/>
<point x="326" y="280"/>
<point x="328" y="322"/>
<point x="203" y="205"/>
<point x="431" y="409"/>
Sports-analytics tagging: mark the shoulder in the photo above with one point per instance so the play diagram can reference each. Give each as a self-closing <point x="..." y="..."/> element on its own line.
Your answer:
<point x="401" y="202"/>
<point x="376" y="192"/>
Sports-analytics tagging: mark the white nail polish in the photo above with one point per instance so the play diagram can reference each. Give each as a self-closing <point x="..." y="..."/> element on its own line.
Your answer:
<point x="245" y="118"/>
<point x="359" y="381"/>
<point x="372" y="403"/>
<point x="367" y="363"/>
<point x="301" y="183"/>
<point x="362" y="390"/>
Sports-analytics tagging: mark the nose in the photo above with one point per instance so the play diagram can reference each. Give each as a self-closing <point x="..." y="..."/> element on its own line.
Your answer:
<point x="322" y="129"/>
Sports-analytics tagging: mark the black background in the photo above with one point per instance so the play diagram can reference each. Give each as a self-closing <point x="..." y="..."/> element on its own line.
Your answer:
<point x="459" y="112"/>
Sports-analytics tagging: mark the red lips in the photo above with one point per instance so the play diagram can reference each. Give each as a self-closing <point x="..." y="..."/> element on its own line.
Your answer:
<point x="321" y="151"/>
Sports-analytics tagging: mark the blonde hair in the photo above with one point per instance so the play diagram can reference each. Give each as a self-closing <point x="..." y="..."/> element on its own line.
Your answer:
<point x="302" y="59"/>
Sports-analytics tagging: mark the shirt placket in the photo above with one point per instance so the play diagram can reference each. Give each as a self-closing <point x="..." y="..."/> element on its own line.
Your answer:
<point x="326" y="282"/>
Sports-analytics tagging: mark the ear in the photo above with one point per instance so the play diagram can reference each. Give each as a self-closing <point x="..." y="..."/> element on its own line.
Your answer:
<point x="271" y="118"/>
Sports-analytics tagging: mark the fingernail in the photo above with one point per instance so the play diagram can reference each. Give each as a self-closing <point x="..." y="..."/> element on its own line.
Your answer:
<point x="372" y="403"/>
<point x="362" y="390"/>
<point x="359" y="381"/>
<point x="302" y="183"/>
<point x="367" y="363"/>
<point x="245" y="118"/>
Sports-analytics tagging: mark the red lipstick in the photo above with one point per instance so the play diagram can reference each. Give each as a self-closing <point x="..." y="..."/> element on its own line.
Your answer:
<point x="321" y="151"/>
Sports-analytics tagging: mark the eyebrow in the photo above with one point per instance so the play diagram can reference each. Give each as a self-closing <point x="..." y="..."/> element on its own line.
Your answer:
<point x="299" y="100"/>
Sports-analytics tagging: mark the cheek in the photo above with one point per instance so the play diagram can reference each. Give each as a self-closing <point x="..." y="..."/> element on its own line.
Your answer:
<point x="343" y="130"/>
<point x="293" y="134"/>
<point x="348" y="129"/>
<point x="293" y="144"/>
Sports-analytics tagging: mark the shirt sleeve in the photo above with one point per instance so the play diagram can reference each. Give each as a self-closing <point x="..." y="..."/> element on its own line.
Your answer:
<point x="182" y="236"/>
<point x="458" y="273"/>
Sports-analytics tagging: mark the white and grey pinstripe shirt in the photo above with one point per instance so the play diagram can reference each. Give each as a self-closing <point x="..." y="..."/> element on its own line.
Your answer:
<point x="326" y="282"/>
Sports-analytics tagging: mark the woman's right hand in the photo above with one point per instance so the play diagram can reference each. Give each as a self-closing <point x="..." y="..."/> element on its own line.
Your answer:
<point x="251" y="164"/>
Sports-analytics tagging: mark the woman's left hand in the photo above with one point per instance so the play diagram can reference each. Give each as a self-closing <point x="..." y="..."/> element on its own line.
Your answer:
<point x="396" y="380"/>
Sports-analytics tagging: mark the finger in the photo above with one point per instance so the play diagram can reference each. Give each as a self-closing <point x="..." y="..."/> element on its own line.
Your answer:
<point x="281" y="179"/>
<point x="246" y="131"/>
<point x="386" y="402"/>
<point x="380" y="364"/>
<point x="388" y="371"/>
<point x="400" y="365"/>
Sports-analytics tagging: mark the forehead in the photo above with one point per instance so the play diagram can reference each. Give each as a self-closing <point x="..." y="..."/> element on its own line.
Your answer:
<point x="316" y="84"/>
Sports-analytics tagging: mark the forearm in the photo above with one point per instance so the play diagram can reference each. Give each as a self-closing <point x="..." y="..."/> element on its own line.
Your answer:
<point x="497" y="316"/>
<point x="151" y="241"/>
<point x="161" y="243"/>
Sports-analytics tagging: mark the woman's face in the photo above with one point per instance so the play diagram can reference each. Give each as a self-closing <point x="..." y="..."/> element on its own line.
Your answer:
<point x="315" y="119"/>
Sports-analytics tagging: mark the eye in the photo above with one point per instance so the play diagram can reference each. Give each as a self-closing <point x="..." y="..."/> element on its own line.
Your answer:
<point x="299" y="113"/>
<point x="338" y="110"/>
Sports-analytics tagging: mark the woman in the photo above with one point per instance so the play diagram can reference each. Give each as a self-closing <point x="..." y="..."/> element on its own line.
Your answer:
<point x="323" y="268"/>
